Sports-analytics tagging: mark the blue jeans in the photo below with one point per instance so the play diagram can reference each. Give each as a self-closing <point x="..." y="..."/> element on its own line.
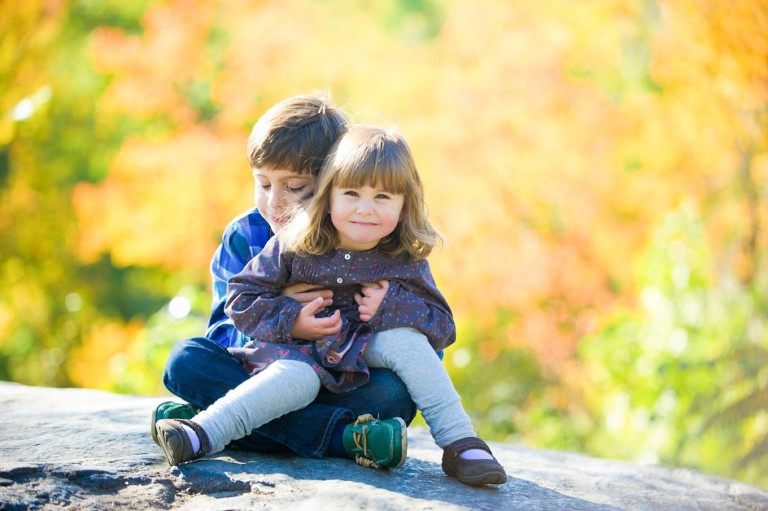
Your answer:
<point x="201" y="371"/>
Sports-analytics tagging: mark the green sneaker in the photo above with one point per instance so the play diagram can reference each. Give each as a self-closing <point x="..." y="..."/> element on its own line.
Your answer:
<point x="377" y="443"/>
<point x="170" y="410"/>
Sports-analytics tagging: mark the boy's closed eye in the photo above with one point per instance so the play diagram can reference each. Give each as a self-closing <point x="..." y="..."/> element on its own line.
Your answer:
<point x="292" y="189"/>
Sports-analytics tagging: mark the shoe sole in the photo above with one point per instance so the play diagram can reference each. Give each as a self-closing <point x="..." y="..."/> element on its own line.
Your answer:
<point x="153" y="423"/>
<point x="485" y="479"/>
<point x="168" y="449"/>
<point x="403" y="442"/>
<point x="491" y="477"/>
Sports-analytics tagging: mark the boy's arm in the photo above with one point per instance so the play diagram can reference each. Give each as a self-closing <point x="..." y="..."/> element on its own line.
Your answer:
<point x="243" y="238"/>
<point x="253" y="301"/>
<point x="420" y="305"/>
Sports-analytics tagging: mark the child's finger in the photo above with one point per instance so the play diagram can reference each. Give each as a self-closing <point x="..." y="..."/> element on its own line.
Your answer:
<point x="332" y="324"/>
<point x="313" y="307"/>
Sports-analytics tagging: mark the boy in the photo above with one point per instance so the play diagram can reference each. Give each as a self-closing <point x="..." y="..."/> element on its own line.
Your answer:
<point x="286" y="149"/>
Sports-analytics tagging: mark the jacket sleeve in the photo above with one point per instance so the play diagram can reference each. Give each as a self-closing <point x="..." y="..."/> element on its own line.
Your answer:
<point x="417" y="303"/>
<point x="254" y="303"/>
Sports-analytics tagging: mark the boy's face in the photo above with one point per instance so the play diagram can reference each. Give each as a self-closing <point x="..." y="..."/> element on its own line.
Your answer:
<point x="277" y="191"/>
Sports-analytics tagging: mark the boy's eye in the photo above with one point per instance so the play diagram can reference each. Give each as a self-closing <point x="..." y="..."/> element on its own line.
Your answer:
<point x="264" y="186"/>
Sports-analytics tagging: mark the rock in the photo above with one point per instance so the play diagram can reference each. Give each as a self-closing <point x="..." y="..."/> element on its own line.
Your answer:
<point x="87" y="449"/>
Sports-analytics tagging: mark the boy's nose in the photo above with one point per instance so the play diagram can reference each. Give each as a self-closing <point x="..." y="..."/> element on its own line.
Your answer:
<point x="275" y="198"/>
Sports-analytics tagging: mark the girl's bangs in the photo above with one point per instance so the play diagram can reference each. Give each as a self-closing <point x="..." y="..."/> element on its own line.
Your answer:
<point x="389" y="173"/>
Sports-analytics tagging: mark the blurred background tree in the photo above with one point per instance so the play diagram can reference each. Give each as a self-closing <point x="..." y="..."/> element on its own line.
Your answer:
<point x="599" y="171"/>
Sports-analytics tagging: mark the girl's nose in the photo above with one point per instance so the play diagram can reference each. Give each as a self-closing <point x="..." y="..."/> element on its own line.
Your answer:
<point x="364" y="206"/>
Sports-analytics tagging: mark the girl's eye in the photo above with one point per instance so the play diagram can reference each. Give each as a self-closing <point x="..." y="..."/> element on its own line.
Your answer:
<point x="382" y="196"/>
<point x="351" y="193"/>
<point x="264" y="187"/>
<point x="296" y="189"/>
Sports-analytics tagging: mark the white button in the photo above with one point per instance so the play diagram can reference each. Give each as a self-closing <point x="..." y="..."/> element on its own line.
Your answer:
<point x="339" y="280"/>
<point x="347" y="257"/>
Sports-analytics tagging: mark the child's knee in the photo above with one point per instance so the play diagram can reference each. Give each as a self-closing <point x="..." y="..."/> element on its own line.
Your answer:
<point x="398" y="348"/>
<point x="298" y="375"/>
<point x="402" y="338"/>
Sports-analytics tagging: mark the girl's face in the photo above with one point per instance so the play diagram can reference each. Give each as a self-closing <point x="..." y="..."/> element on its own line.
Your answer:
<point x="363" y="216"/>
<point x="277" y="191"/>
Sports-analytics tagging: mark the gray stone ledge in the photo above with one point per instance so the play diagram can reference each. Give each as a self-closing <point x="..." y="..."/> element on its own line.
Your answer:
<point x="86" y="449"/>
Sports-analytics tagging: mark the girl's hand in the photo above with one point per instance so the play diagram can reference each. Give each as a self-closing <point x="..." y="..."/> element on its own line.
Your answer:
<point x="305" y="293"/>
<point x="370" y="297"/>
<point x="310" y="328"/>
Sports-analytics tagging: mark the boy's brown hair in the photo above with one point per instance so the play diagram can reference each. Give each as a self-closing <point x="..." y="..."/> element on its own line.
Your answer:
<point x="296" y="134"/>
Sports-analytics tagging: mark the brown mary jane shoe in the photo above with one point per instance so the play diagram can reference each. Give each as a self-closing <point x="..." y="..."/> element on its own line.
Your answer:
<point x="472" y="472"/>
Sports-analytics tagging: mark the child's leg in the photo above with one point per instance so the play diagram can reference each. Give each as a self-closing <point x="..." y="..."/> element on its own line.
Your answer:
<point x="284" y="386"/>
<point x="200" y="371"/>
<point x="408" y="353"/>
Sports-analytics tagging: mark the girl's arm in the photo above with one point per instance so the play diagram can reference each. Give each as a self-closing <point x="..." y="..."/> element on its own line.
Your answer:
<point x="417" y="303"/>
<point x="254" y="303"/>
<point x="243" y="238"/>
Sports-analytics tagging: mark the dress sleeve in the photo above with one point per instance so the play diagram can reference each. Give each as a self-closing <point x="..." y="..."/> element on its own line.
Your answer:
<point x="243" y="238"/>
<point x="253" y="301"/>
<point x="417" y="303"/>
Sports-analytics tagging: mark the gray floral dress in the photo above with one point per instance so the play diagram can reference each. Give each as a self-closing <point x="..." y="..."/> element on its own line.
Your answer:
<point x="259" y="311"/>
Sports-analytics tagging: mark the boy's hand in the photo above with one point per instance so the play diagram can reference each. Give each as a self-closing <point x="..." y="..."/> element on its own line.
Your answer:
<point x="310" y="328"/>
<point x="305" y="293"/>
<point x="370" y="297"/>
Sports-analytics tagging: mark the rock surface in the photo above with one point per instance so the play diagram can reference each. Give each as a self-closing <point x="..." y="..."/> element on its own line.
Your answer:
<point x="87" y="449"/>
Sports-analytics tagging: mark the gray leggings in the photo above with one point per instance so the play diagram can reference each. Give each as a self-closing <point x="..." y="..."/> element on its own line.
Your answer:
<point x="288" y="385"/>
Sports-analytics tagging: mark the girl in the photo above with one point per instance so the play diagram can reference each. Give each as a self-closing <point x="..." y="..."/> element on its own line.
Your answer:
<point x="364" y="235"/>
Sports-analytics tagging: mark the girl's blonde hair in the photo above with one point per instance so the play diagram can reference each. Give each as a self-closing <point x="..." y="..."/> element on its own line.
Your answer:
<point x="372" y="156"/>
